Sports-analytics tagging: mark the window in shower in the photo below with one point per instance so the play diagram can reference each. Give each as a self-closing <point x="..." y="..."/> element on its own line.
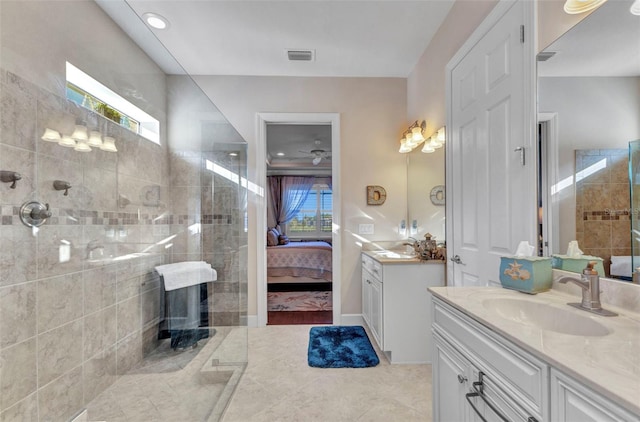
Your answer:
<point x="89" y="93"/>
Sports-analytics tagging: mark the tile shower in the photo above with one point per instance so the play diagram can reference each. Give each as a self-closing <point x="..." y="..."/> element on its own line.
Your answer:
<point x="79" y="300"/>
<point x="603" y="211"/>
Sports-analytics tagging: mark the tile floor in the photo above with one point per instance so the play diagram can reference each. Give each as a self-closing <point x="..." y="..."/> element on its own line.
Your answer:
<point x="192" y="385"/>
<point x="278" y="385"/>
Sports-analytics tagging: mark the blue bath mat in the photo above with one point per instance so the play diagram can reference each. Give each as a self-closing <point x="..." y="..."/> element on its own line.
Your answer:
<point x="340" y="347"/>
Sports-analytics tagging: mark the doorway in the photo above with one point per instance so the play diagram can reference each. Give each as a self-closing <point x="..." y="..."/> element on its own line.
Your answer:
<point x="311" y="153"/>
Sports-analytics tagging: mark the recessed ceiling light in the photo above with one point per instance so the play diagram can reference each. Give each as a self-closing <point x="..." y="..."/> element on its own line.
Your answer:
<point x="233" y="154"/>
<point x="156" y="21"/>
<point x="280" y="154"/>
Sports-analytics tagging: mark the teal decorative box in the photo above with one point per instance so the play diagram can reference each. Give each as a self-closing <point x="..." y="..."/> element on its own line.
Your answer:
<point x="529" y="274"/>
<point x="576" y="264"/>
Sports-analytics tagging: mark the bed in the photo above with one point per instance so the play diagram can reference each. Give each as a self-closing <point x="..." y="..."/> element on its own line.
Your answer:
<point x="299" y="262"/>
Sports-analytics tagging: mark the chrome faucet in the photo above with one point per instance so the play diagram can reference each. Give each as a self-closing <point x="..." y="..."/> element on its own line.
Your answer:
<point x="415" y="242"/>
<point x="92" y="246"/>
<point x="415" y="245"/>
<point x="590" y="285"/>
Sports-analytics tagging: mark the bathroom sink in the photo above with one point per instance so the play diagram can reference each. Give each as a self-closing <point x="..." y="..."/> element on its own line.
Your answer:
<point x="546" y="317"/>
<point x="394" y="255"/>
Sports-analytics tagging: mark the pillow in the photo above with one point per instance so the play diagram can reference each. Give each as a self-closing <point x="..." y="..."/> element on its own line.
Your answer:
<point x="283" y="239"/>
<point x="278" y="230"/>
<point x="272" y="238"/>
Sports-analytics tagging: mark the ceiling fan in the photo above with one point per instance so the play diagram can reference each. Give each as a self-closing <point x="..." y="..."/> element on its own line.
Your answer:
<point x="318" y="155"/>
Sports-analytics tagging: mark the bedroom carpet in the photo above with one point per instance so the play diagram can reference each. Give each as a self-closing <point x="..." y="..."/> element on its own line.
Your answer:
<point x="299" y="301"/>
<point x="340" y="347"/>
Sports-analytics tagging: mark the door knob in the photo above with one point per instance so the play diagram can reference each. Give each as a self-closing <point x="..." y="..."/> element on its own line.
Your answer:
<point x="456" y="259"/>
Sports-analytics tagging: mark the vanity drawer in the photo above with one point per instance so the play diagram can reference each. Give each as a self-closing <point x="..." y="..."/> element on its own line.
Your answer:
<point x="373" y="266"/>
<point x="522" y="376"/>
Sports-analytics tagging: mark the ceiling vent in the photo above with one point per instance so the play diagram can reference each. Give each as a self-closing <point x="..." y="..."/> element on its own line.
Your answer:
<point x="545" y="55"/>
<point x="300" y="55"/>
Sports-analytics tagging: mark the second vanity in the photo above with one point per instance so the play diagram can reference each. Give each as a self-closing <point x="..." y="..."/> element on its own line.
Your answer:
<point x="531" y="358"/>
<point x="394" y="293"/>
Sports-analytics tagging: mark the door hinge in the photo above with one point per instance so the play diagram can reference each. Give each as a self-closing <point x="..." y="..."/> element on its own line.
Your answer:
<point x="522" y="34"/>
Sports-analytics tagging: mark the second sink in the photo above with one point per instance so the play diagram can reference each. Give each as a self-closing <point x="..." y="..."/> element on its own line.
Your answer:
<point x="545" y="317"/>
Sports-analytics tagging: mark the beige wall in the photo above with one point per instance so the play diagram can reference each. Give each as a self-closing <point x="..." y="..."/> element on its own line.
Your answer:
<point x="426" y="100"/>
<point x="372" y="115"/>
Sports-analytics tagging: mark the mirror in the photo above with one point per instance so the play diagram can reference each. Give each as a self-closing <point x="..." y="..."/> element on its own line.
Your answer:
<point x="425" y="198"/>
<point x="588" y="105"/>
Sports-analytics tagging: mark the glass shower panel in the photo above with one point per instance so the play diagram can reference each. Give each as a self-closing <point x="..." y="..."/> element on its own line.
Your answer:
<point x="83" y="313"/>
<point x="634" y="183"/>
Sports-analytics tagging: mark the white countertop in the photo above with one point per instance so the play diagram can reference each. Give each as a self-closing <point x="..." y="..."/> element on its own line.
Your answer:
<point x="386" y="260"/>
<point x="608" y="364"/>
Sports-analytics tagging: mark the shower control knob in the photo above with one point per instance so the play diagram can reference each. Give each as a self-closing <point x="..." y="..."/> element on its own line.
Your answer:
<point x="34" y="213"/>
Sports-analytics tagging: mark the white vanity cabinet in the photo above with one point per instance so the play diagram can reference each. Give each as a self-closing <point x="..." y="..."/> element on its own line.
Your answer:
<point x="514" y="382"/>
<point x="372" y="298"/>
<point x="517" y="384"/>
<point x="395" y="306"/>
<point x="571" y="401"/>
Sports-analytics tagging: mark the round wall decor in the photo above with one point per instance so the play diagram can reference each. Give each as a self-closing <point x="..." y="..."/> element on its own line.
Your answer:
<point x="437" y="195"/>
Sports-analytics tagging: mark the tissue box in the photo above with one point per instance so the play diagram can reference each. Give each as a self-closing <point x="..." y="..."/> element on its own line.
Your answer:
<point x="576" y="265"/>
<point x="530" y="274"/>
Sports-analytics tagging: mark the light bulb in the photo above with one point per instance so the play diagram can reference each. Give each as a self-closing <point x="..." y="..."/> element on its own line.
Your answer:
<point x="80" y="133"/>
<point x="95" y="139"/>
<point x="82" y="146"/>
<point x="51" y="135"/>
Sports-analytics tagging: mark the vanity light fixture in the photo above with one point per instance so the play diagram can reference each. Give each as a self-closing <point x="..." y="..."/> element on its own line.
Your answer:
<point x="404" y="148"/>
<point x="81" y="146"/>
<point x="51" y="135"/>
<point x="427" y="148"/>
<point x="81" y="139"/>
<point x="155" y="20"/>
<point x="95" y="139"/>
<point x="574" y="7"/>
<point x="413" y="136"/>
<point x="108" y="144"/>
<point x="436" y="141"/>
<point x="80" y="133"/>
<point x="67" y="141"/>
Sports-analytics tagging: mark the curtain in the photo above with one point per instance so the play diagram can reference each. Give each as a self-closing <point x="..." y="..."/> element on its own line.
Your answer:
<point x="287" y="194"/>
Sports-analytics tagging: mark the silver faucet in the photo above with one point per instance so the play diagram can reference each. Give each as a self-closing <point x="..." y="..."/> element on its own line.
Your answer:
<point x="92" y="246"/>
<point x="415" y="245"/>
<point x="590" y="285"/>
<point x="415" y="242"/>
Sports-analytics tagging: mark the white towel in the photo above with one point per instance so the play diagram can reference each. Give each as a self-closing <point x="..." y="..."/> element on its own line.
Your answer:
<point x="184" y="274"/>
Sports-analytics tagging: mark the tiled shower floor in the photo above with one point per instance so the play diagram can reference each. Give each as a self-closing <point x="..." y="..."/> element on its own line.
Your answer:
<point x="189" y="385"/>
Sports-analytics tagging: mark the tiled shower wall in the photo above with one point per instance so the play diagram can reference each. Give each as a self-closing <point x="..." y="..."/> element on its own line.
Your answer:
<point x="68" y="327"/>
<point x="603" y="214"/>
<point x="209" y="224"/>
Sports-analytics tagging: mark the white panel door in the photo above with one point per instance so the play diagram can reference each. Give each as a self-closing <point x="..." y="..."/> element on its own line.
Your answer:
<point x="490" y="182"/>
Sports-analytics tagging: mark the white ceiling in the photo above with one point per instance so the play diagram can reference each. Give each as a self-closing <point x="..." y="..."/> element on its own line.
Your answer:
<point x="606" y="43"/>
<point x="297" y="142"/>
<point x="357" y="38"/>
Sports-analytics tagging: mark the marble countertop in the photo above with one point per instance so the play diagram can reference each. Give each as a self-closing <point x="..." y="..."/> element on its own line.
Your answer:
<point x="381" y="258"/>
<point x="607" y="364"/>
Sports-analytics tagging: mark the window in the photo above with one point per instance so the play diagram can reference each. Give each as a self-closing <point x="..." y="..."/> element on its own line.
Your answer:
<point x="89" y="93"/>
<point x="314" y="219"/>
